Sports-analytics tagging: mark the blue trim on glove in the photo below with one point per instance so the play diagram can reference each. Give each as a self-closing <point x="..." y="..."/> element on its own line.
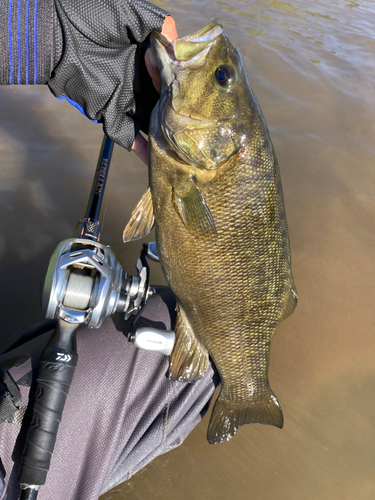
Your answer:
<point x="76" y="105"/>
<point x="19" y="40"/>
<point x="10" y="43"/>
<point x="27" y="42"/>
<point x="35" y="43"/>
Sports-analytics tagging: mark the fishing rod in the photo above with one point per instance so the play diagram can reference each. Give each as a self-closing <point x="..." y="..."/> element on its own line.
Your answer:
<point x="84" y="284"/>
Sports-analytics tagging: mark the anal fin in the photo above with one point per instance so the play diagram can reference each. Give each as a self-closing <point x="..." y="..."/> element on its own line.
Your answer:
<point x="189" y="359"/>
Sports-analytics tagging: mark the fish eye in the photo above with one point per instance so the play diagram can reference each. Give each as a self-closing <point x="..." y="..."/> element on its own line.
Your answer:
<point x="224" y="75"/>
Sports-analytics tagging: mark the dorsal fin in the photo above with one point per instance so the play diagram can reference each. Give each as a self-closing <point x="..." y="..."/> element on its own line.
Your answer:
<point x="291" y="302"/>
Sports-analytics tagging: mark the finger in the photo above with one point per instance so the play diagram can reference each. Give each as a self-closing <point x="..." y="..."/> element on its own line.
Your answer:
<point x="170" y="32"/>
<point x="140" y="148"/>
<point x="169" y="29"/>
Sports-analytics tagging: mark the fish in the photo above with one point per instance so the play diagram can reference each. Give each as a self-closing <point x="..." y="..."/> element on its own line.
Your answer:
<point x="216" y="201"/>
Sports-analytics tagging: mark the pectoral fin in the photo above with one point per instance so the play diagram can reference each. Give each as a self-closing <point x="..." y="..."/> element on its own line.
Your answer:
<point x="141" y="220"/>
<point x="193" y="210"/>
<point x="189" y="359"/>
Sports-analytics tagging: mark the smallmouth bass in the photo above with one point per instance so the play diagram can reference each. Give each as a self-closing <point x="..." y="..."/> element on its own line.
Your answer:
<point x="216" y="199"/>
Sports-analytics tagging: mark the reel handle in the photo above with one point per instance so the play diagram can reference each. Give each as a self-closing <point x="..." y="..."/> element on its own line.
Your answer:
<point x="55" y="375"/>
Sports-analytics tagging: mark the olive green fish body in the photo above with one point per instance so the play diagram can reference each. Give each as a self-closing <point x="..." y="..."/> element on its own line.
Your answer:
<point x="221" y="228"/>
<point x="234" y="286"/>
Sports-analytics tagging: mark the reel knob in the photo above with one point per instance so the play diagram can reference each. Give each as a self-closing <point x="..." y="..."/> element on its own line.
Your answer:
<point x="151" y="339"/>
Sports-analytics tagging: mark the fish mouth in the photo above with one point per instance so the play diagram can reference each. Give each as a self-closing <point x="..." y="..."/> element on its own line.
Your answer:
<point x="187" y="52"/>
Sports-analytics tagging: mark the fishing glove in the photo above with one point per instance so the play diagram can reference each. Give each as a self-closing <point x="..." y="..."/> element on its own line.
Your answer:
<point x="90" y="52"/>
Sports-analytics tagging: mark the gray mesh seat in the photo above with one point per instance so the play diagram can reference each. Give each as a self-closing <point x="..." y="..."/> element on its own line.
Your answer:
<point x="121" y="412"/>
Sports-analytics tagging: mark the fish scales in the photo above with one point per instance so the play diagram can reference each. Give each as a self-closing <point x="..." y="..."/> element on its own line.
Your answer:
<point x="242" y="296"/>
<point x="221" y="229"/>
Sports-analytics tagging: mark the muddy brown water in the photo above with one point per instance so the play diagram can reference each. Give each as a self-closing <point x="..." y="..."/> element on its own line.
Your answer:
<point x="312" y="67"/>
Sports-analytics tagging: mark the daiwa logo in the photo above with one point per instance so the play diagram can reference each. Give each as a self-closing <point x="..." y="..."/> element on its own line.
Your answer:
<point x="63" y="357"/>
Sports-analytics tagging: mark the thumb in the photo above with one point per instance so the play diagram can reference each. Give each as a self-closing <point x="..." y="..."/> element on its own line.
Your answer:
<point x="170" y="32"/>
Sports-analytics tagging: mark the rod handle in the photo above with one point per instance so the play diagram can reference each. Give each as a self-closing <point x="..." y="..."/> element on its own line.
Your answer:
<point x="55" y="375"/>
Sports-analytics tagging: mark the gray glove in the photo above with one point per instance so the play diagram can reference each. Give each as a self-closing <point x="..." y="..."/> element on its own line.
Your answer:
<point x="90" y="52"/>
<point x="102" y="68"/>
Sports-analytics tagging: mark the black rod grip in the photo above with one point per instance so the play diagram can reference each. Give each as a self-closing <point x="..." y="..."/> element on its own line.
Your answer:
<point x="55" y="375"/>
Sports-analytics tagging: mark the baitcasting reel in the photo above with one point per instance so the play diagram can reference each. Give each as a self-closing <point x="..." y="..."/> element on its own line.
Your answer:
<point x="85" y="283"/>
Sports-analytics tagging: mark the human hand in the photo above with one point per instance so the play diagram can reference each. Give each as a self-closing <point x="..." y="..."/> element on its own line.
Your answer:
<point x="99" y="62"/>
<point x="170" y="33"/>
<point x="140" y="144"/>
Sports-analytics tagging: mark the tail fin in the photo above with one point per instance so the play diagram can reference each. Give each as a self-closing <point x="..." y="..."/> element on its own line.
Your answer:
<point x="228" y="415"/>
